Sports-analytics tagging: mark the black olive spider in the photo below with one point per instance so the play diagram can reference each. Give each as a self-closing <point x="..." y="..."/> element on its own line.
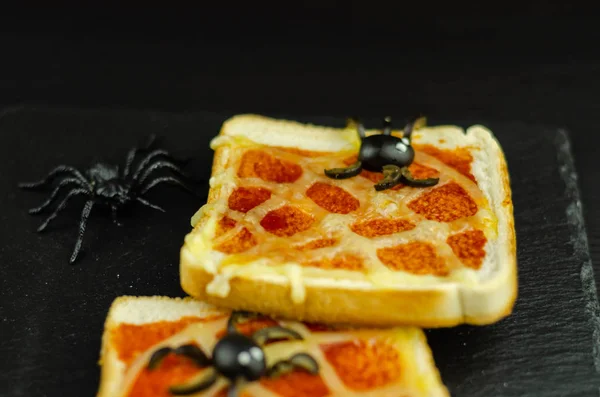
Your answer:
<point x="103" y="184"/>
<point x="385" y="153"/>
<point x="237" y="357"/>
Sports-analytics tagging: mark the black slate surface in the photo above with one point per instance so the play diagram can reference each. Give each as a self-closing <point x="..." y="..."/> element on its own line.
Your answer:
<point x="52" y="313"/>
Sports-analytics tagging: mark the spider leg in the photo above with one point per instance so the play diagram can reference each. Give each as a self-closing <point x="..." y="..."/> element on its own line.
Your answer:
<point x="391" y="177"/>
<point x="196" y="384"/>
<point x="276" y="332"/>
<point x="157" y="357"/>
<point x="360" y="128"/>
<point x="166" y="179"/>
<point x="235" y="387"/>
<point x="408" y="179"/>
<point x="190" y="351"/>
<point x="61" y="169"/>
<point x="344" y="173"/>
<point x="148" y="159"/>
<point x="418" y="122"/>
<point x="387" y="126"/>
<point x="202" y="381"/>
<point x="129" y="161"/>
<point x="82" y="224"/>
<point x="300" y="361"/>
<point x="61" y="206"/>
<point x="132" y="153"/>
<point x="149" y="204"/>
<point x="237" y="316"/>
<point x="194" y="353"/>
<point x="54" y="195"/>
<point x="161" y="164"/>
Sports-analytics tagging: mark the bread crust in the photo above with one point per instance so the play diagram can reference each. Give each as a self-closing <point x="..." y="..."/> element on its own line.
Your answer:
<point x="443" y="305"/>
<point x="111" y="374"/>
<point x="431" y="308"/>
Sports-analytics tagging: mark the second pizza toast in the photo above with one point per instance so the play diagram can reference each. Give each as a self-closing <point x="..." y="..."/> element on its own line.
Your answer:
<point x="285" y="232"/>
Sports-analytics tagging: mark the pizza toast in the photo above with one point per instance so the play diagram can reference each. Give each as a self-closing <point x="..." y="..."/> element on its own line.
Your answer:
<point x="277" y="236"/>
<point x="350" y="361"/>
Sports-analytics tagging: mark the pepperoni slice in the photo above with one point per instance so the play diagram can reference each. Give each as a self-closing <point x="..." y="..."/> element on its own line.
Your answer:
<point x="381" y="227"/>
<point x="260" y="164"/>
<point x="445" y="203"/>
<point x="469" y="247"/>
<point x="364" y="365"/>
<point x="243" y="199"/>
<point x="286" y="221"/>
<point x="224" y="225"/>
<point x="459" y="159"/>
<point x="332" y="198"/>
<point x="416" y="258"/>
<point x="242" y="241"/>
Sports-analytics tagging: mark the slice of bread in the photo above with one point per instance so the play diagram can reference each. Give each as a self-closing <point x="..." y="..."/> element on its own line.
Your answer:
<point x="279" y="237"/>
<point x="352" y="362"/>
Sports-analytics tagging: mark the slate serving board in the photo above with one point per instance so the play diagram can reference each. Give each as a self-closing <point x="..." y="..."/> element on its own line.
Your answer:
<point x="52" y="313"/>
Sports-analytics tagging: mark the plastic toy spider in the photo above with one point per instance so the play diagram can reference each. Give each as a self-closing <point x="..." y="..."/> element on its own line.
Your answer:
<point x="237" y="357"/>
<point x="387" y="154"/>
<point x="103" y="184"/>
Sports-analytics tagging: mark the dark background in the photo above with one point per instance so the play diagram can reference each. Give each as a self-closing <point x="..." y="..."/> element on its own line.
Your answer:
<point x="528" y="62"/>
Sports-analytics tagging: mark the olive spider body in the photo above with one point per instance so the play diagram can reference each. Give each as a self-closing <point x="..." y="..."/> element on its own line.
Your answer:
<point x="377" y="151"/>
<point x="387" y="154"/>
<point x="237" y="355"/>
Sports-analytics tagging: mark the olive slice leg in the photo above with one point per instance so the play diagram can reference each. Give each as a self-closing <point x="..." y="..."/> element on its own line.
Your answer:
<point x="157" y="357"/>
<point x="417" y="123"/>
<point x="344" y="173"/>
<point x="237" y="317"/>
<point x="300" y="361"/>
<point x="305" y="362"/>
<point x="387" y="125"/>
<point x="360" y="128"/>
<point x="190" y="351"/>
<point x="265" y="334"/>
<point x="391" y="177"/>
<point x="198" y="383"/>
<point x="410" y="181"/>
<point x="235" y="387"/>
<point x="194" y="353"/>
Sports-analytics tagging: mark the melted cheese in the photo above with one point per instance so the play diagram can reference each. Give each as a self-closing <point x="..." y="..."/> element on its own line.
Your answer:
<point x="272" y="257"/>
